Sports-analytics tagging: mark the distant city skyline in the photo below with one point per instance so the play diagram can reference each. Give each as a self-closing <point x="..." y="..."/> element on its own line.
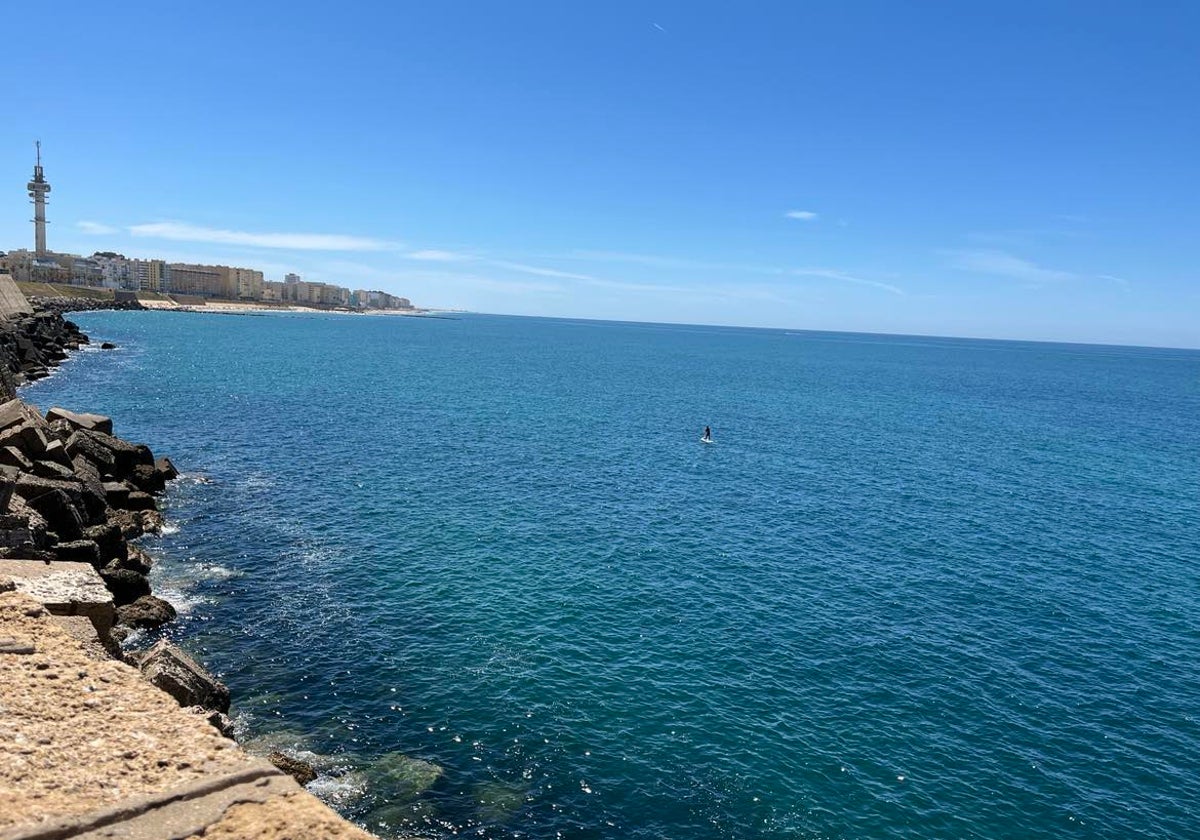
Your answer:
<point x="1023" y="172"/>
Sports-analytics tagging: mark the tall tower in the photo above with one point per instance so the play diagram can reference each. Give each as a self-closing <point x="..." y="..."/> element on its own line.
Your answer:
<point x="37" y="191"/>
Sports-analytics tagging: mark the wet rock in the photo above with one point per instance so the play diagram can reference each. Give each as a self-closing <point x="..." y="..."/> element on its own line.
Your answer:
<point x="107" y="345"/>
<point x="164" y="466"/>
<point x="301" y="771"/>
<point x="147" y="611"/>
<point x="139" y="500"/>
<point x="126" y="585"/>
<point x="403" y="777"/>
<point x="176" y="673"/>
<point x="148" y="478"/>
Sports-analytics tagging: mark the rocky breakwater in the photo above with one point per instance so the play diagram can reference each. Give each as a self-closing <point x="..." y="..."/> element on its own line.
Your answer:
<point x="83" y="304"/>
<point x="31" y="345"/>
<point x="73" y="498"/>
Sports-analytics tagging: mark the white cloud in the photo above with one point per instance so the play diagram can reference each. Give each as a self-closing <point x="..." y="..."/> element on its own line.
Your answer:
<point x="802" y="215"/>
<point x="97" y="228"/>
<point x="183" y="232"/>
<point x="1003" y="264"/>
<point x="843" y="277"/>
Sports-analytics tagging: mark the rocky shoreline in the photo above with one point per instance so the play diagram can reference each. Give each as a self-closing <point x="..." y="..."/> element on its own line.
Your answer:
<point x="72" y="492"/>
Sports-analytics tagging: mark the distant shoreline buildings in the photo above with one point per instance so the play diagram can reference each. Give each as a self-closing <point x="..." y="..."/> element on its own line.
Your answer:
<point x="109" y="270"/>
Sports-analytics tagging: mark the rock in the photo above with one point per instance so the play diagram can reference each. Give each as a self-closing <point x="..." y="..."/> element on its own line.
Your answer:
<point x="91" y="488"/>
<point x="11" y="456"/>
<point x="116" y="493"/>
<point x="167" y="468"/>
<point x="107" y="345"/>
<point x="12" y="413"/>
<point x="86" y="446"/>
<point x="33" y="441"/>
<point x="108" y="536"/>
<point x="403" y="778"/>
<point x="218" y="720"/>
<point x="90" y="422"/>
<point x="126" y="585"/>
<point x="301" y="771"/>
<point x="123" y="456"/>
<point x="176" y="673"/>
<point x="144" y="455"/>
<point x="138" y="560"/>
<point x="56" y="501"/>
<point x="79" y="551"/>
<point x="148" y="478"/>
<point x="147" y="611"/>
<point x="50" y="469"/>
<point x="134" y="523"/>
<point x="140" y="501"/>
<point x="56" y="451"/>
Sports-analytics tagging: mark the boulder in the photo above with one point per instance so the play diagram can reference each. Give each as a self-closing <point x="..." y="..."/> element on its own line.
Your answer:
<point x="107" y="345"/>
<point x="108" y="536"/>
<point x="134" y="523"/>
<point x="147" y="611"/>
<point x="140" y="501"/>
<point x="56" y="451"/>
<point x="11" y="456"/>
<point x="50" y="469"/>
<point x="12" y="413"/>
<point x="176" y="673"/>
<point x="164" y="466"/>
<point x="148" y="478"/>
<point x="79" y="551"/>
<point x="57" y="501"/>
<point x="91" y="488"/>
<point x="90" y="422"/>
<point x="86" y="446"/>
<point x="136" y="559"/>
<point x="126" y="585"/>
<point x="116" y="493"/>
<point x="301" y="771"/>
<point x="217" y="720"/>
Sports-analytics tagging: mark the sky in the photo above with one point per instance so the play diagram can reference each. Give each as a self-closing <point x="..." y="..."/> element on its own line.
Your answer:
<point x="1024" y="170"/>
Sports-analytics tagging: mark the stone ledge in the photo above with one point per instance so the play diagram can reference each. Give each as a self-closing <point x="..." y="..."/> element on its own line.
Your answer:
<point x="91" y="750"/>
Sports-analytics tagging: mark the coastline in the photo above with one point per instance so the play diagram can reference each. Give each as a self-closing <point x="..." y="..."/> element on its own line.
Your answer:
<point x="74" y="584"/>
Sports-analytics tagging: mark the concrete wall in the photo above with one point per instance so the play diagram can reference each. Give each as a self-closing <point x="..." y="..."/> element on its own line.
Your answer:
<point x="12" y="303"/>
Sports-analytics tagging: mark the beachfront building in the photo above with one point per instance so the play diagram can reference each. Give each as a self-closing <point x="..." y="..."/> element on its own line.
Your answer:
<point x="243" y="283"/>
<point x="272" y="291"/>
<point x="191" y="279"/>
<point x="148" y="275"/>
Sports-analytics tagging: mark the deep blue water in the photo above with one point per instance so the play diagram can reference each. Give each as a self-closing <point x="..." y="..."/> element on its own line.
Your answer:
<point x="919" y="588"/>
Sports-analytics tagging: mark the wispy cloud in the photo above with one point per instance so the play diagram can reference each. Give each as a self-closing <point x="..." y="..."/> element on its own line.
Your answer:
<point x="843" y="277"/>
<point x="431" y="255"/>
<point x="655" y="261"/>
<point x="802" y="215"/>
<point x="538" y="271"/>
<point x="183" y="232"/>
<point x="97" y="228"/>
<point x="1003" y="264"/>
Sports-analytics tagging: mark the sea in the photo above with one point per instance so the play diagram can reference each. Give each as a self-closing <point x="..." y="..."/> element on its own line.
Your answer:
<point x="484" y="575"/>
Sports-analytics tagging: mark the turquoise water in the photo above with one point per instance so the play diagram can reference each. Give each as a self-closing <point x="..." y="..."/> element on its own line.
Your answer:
<point x="919" y="588"/>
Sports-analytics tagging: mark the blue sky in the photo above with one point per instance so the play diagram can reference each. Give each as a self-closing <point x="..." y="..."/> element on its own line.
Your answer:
<point x="1023" y="170"/>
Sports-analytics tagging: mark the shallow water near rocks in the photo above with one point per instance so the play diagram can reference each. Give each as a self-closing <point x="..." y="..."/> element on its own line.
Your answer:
<point x="918" y="588"/>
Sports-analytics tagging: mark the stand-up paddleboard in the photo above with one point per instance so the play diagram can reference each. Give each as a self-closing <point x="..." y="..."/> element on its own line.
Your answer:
<point x="707" y="440"/>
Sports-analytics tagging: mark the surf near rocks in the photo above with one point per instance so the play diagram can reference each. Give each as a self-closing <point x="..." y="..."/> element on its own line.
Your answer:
<point x="73" y="499"/>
